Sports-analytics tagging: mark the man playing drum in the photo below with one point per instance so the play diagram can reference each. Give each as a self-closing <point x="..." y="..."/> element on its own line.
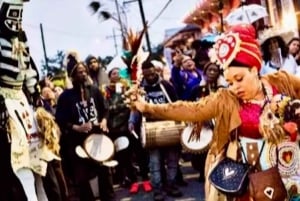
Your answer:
<point x="158" y="91"/>
<point x="80" y="112"/>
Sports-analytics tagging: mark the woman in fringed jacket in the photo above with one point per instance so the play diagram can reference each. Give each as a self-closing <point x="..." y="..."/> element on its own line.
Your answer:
<point x="242" y="108"/>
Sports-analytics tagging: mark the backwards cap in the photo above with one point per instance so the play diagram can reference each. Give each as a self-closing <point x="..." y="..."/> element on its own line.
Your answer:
<point x="239" y="44"/>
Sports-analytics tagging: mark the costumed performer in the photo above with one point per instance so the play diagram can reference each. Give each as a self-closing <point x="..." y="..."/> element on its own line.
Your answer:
<point x="243" y="108"/>
<point x="25" y="148"/>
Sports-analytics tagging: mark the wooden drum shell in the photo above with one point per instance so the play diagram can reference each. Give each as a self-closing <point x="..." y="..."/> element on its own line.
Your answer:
<point x="161" y="134"/>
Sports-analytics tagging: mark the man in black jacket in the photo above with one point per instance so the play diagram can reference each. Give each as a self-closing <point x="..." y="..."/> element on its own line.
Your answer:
<point x="81" y="111"/>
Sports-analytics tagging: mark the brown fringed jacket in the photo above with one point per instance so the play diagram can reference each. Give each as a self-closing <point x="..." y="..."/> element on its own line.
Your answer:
<point x="223" y="106"/>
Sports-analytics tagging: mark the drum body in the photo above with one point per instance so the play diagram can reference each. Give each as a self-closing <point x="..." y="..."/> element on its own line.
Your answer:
<point x="196" y="145"/>
<point x="161" y="133"/>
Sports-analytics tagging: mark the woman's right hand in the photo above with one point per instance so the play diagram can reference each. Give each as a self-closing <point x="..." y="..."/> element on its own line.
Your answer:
<point x="134" y="99"/>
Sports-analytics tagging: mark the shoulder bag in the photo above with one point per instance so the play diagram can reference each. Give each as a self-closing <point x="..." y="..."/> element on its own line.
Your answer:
<point x="267" y="185"/>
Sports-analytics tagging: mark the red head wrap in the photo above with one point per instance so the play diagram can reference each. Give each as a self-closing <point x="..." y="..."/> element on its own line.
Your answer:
<point x="238" y="44"/>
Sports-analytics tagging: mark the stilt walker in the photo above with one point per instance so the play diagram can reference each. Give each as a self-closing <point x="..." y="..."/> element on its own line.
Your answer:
<point x="25" y="149"/>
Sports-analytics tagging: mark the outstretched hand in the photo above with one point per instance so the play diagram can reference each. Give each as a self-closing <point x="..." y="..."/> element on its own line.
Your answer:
<point x="134" y="98"/>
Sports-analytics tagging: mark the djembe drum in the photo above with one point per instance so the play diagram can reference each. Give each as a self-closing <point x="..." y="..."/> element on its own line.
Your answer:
<point x="98" y="147"/>
<point x="161" y="133"/>
<point x="196" y="144"/>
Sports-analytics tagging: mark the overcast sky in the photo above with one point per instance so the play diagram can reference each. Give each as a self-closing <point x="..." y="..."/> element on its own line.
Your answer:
<point x="69" y="25"/>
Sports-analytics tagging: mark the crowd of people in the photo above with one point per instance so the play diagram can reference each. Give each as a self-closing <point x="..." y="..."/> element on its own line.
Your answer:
<point x="245" y="90"/>
<point x="97" y="98"/>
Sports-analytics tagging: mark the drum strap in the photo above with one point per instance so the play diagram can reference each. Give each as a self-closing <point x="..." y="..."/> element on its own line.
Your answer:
<point x="165" y="92"/>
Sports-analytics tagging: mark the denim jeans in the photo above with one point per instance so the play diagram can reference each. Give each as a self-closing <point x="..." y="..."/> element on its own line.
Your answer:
<point x="169" y="155"/>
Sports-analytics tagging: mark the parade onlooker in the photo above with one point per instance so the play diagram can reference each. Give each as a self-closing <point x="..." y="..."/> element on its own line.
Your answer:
<point x="152" y="83"/>
<point x="294" y="48"/>
<point x="54" y="181"/>
<point x="81" y="111"/>
<point x="57" y="91"/>
<point x="97" y="72"/>
<point x="212" y="80"/>
<point x="276" y="56"/>
<point x="184" y="75"/>
<point x="48" y="99"/>
<point x="200" y="55"/>
<point x="118" y="125"/>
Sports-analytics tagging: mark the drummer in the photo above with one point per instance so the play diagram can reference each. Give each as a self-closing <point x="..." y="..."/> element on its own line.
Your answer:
<point x="153" y="85"/>
<point x="81" y="111"/>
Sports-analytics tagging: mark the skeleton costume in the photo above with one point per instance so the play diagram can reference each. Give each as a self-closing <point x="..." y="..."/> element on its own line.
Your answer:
<point x="22" y="145"/>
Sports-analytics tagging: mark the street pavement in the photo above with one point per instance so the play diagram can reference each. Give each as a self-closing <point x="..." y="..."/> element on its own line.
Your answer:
<point x="193" y="192"/>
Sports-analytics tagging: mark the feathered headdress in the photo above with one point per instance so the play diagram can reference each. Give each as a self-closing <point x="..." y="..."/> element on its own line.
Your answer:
<point x="133" y="55"/>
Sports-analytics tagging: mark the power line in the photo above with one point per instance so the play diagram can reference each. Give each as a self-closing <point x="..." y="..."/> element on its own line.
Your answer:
<point x="161" y="12"/>
<point x="62" y="32"/>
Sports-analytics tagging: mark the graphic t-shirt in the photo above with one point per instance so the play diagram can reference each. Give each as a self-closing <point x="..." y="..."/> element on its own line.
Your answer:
<point x="87" y="112"/>
<point x="155" y="94"/>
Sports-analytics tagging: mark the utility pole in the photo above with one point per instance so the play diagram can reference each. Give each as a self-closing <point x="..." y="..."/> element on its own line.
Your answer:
<point x="144" y="22"/>
<point x="114" y="37"/>
<point x="44" y="47"/>
<point x="119" y="20"/>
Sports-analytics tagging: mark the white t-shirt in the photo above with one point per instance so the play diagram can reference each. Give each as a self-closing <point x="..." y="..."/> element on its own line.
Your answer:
<point x="289" y="65"/>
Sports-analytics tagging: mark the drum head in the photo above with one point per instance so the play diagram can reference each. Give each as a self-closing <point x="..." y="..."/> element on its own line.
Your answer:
<point x="99" y="147"/>
<point x="81" y="152"/>
<point x="121" y="143"/>
<point x="112" y="163"/>
<point x="196" y="145"/>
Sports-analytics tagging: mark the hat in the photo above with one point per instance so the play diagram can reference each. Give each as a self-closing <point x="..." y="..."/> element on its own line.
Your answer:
<point x="89" y="58"/>
<point x="238" y="45"/>
<point x="286" y="35"/>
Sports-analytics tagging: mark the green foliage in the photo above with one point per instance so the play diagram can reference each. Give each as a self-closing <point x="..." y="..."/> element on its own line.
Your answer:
<point x="54" y="64"/>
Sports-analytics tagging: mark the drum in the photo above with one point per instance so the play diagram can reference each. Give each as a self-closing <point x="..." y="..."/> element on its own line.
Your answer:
<point x="98" y="147"/>
<point x="161" y="133"/>
<point x="121" y="143"/>
<point x="196" y="144"/>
